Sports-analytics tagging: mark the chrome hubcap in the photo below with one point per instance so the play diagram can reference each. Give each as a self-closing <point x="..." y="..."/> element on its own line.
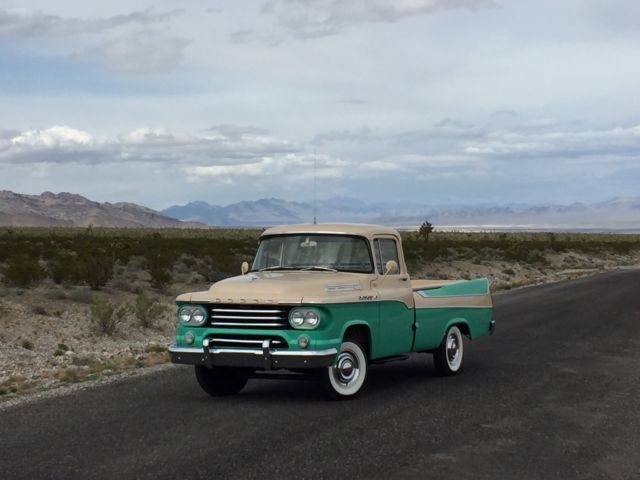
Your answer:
<point x="346" y="369"/>
<point x="453" y="349"/>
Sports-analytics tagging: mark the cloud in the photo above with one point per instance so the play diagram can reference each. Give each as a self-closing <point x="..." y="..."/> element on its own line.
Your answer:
<point x="620" y="141"/>
<point x="319" y="18"/>
<point x="146" y="51"/>
<point x="293" y="166"/>
<point x="124" y="43"/>
<point x="220" y="145"/>
<point x="54" y="137"/>
<point x="39" y="24"/>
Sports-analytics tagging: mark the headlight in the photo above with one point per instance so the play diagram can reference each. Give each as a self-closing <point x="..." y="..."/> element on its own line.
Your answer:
<point x="192" y="315"/>
<point x="184" y="314"/>
<point x="303" y="318"/>
<point x="198" y="316"/>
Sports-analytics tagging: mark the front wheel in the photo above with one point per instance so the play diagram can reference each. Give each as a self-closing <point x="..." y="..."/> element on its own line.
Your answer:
<point x="448" y="357"/>
<point x="346" y="377"/>
<point x="220" y="381"/>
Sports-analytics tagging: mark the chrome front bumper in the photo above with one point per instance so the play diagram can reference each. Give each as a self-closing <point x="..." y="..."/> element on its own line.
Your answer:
<point x="264" y="358"/>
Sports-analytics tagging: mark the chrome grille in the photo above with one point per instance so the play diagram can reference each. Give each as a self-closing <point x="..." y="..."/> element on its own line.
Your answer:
<point x="249" y="316"/>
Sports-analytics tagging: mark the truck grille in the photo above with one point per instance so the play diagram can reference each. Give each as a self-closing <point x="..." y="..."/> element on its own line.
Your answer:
<point x="249" y="316"/>
<point x="246" y="341"/>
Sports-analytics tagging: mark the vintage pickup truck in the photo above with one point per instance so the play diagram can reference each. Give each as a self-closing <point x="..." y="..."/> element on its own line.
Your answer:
<point x="324" y="302"/>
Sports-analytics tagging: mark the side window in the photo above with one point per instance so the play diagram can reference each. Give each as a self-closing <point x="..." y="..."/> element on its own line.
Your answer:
<point x="385" y="249"/>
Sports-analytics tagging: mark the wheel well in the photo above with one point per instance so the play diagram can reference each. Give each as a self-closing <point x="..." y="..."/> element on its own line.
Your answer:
<point x="360" y="334"/>
<point x="464" y="328"/>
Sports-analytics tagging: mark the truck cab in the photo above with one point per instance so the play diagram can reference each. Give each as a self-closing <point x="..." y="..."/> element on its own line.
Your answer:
<point x="324" y="302"/>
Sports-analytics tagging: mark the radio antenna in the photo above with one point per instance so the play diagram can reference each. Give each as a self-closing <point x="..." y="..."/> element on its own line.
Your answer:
<point x="315" y="181"/>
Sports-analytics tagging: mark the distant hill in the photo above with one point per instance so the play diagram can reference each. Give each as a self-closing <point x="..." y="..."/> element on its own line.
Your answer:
<point x="614" y="214"/>
<point x="71" y="210"/>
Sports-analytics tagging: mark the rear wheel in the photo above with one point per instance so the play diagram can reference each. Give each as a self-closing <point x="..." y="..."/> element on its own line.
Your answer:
<point x="448" y="357"/>
<point x="220" y="381"/>
<point x="347" y="376"/>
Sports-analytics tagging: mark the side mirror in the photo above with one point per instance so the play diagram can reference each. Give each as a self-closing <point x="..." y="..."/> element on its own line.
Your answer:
<point x="244" y="268"/>
<point x="391" y="267"/>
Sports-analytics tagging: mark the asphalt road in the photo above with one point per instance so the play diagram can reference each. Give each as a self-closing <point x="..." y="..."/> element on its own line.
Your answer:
<point x="555" y="393"/>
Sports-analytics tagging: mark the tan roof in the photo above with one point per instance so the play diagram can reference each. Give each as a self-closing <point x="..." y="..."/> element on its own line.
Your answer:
<point x="339" y="228"/>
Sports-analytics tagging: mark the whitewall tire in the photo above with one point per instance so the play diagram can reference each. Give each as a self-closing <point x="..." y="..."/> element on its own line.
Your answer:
<point x="448" y="357"/>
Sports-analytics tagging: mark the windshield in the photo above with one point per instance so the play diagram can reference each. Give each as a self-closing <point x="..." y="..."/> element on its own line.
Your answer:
<point x="323" y="252"/>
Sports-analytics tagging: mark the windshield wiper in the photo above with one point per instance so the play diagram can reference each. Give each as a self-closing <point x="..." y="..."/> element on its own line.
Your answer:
<point x="277" y="267"/>
<point x="324" y="269"/>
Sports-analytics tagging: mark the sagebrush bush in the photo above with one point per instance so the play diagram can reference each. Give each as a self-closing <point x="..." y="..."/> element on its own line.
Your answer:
<point x="63" y="269"/>
<point x="22" y="271"/>
<point x="96" y="268"/>
<point x="102" y="315"/>
<point x="147" y="310"/>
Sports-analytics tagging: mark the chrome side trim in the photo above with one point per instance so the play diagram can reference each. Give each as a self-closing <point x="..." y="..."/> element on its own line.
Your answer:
<point x="422" y="294"/>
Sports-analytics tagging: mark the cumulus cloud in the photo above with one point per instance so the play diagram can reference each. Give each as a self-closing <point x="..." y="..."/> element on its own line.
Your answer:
<point x="220" y="145"/>
<point x="54" y="137"/>
<point x="319" y="18"/>
<point x="145" y="51"/>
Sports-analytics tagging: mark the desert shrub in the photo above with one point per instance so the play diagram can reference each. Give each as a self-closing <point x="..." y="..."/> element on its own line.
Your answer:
<point x="103" y="317"/>
<point x="81" y="296"/>
<point x="508" y="271"/>
<point x="39" y="310"/>
<point x="63" y="269"/>
<point x="147" y="310"/>
<point x="22" y="271"/>
<point x="96" y="268"/>
<point x="159" y="267"/>
<point x="27" y="345"/>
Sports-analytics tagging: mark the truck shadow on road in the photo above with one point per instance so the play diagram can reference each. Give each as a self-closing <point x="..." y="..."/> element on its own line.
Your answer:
<point x="416" y="375"/>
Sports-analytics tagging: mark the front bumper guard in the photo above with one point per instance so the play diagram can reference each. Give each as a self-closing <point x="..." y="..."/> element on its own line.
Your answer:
<point x="265" y="358"/>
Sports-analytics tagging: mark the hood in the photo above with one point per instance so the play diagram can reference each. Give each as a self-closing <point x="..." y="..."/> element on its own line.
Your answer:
<point x="284" y="287"/>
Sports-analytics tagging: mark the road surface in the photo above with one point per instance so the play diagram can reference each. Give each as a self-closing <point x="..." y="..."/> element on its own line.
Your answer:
<point x="554" y="394"/>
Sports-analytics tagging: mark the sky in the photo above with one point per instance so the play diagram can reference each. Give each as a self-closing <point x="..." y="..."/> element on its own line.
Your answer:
<point x="438" y="102"/>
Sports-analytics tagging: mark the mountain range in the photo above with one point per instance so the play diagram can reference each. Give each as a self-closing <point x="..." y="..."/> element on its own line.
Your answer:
<point x="615" y="214"/>
<point x="72" y="210"/>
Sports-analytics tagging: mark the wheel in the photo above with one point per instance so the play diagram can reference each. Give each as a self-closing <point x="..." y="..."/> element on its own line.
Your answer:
<point x="448" y="357"/>
<point x="218" y="381"/>
<point x="347" y="376"/>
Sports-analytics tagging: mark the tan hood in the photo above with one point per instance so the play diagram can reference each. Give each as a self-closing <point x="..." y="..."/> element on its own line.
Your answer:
<point x="284" y="287"/>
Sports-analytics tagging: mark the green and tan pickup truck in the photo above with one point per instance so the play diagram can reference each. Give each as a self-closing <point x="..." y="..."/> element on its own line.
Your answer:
<point x="324" y="302"/>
